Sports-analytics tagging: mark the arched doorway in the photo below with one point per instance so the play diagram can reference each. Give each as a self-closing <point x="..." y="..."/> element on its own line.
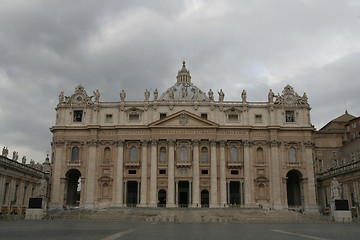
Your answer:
<point x="73" y="187"/>
<point x="204" y="198"/>
<point x="293" y="187"/>
<point x="162" y="198"/>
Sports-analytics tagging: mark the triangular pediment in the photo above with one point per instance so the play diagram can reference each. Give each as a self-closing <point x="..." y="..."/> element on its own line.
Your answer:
<point x="183" y="119"/>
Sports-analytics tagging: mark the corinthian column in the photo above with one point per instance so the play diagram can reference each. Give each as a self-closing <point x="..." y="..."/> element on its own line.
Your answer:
<point x="91" y="174"/>
<point x="223" y="202"/>
<point x="143" y="194"/>
<point x="312" y="207"/>
<point x="247" y="175"/>
<point x="170" y="201"/>
<point x="213" y="177"/>
<point x="275" y="175"/>
<point x="119" y="174"/>
<point x="56" y="202"/>
<point x="153" y="174"/>
<point x="196" y="177"/>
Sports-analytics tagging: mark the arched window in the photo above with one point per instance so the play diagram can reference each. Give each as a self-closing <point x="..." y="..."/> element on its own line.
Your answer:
<point x="133" y="155"/>
<point x="162" y="154"/>
<point x="204" y="154"/>
<point x="75" y="154"/>
<point x="107" y="152"/>
<point x="183" y="153"/>
<point x="260" y="155"/>
<point x="234" y="154"/>
<point x="292" y="155"/>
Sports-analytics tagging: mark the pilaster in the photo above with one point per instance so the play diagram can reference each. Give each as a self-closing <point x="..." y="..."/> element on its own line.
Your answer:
<point x="213" y="177"/>
<point x="153" y="174"/>
<point x="170" y="199"/>
<point x="196" y="175"/>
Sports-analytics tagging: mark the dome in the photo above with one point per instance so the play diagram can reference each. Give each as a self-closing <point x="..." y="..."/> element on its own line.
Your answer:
<point x="184" y="90"/>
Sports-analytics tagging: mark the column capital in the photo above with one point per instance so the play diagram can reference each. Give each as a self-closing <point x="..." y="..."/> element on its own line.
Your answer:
<point x="93" y="142"/>
<point x="247" y="143"/>
<point x="195" y="142"/>
<point x="213" y="142"/>
<point x="154" y="142"/>
<point x="274" y="143"/>
<point x="119" y="143"/>
<point x="309" y="144"/>
<point x="222" y="143"/>
<point x="171" y="142"/>
<point x="144" y="142"/>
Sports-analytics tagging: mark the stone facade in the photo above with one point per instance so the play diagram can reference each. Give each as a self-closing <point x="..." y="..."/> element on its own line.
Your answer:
<point x="20" y="181"/>
<point x="183" y="149"/>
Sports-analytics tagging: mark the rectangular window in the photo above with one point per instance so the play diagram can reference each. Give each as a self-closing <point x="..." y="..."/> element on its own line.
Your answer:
<point x="78" y="114"/>
<point x="162" y="115"/>
<point x="289" y="116"/>
<point x="320" y="163"/>
<point x="132" y="171"/>
<point x="162" y="171"/>
<point x="334" y="153"/>
<point x="258" y="118"/>
<point x="234" y="172"/>
<point x="354" y="125"/>
<point x="134" y="117"/>
<point x="204" y="172"/>
<point x="108" y="118"/>
<point x="204" y="115"/>
<point x="233" y="117"/>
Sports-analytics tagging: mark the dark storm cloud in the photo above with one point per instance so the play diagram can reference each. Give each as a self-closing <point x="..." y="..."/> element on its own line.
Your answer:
<point x="50" y="46"/>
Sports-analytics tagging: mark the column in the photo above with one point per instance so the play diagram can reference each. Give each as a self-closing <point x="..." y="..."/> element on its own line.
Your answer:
<point x="223" y="202"/>
<point x="196" y="175"/>
<point x="228" y="192"/>
<point x="153" y="174"/>
<point x="138" y="193"/>
<point x="190" y="190"/>
<point x="125" y="194"/>
<point x="213" y="177"/>
<point x="176" y="193"/>
<point x="170" y="201"/>
<point x="275" y="175"/>
<point x="2" y="184"/>
<point x="56" y="202"/>
<point x="247" y="176"/>
<point x="312" y="206"/>
<point x="91" y="173"/>
<point x="144" y="169"/>
<point x="119" y="202"/>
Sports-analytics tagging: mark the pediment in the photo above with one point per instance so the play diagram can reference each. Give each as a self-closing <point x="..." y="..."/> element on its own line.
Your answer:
<point x="184" y="119"/>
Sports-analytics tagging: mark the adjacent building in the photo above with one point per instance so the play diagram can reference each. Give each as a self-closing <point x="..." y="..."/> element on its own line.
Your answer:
<point x="338" y="156"/>
<point x="183" y="148"/>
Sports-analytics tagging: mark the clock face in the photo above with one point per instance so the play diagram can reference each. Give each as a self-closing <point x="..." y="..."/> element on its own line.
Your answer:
<point x="78" y="98"/>
<point x="289" y="98"/>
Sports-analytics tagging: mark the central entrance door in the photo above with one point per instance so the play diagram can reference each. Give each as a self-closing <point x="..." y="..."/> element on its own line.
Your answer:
<point x="235" y="193"/>
<point x="183" y="193"/>
<point x="204" y="198"/>
<point x="132" y="193"/>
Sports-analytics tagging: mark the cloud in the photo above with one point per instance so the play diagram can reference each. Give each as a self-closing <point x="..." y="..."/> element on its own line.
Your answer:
<point x="52" y="46"/>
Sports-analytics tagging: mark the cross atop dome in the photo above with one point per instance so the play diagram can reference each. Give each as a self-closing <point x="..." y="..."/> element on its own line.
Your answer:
<point x="183" y="75"/>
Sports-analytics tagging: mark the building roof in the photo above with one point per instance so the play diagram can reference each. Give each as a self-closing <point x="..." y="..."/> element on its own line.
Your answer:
<point x="337" y="124"/>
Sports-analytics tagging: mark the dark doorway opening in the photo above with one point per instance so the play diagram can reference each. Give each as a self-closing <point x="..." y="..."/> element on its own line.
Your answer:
<point x="73" y="188"/>
<point x="183" y="193"/>
<point x="162" y="198"/>
<point x="235" y="196"/>
<point x="132" y="194"/>
<point x="204" y="198"/>
<point x="293" y="187"/>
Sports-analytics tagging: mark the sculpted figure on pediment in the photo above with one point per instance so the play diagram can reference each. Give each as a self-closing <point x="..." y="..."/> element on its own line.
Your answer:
<point x="61" y="97"/>
<point x="211" y="95"/>
<point x="156" y="94"/>
<point x="147" y="95"/>
<point x="243" y="96"/>
<point x="271" y="96"/>
<point x="122" y="95"/>
<point x="221" y="95"/>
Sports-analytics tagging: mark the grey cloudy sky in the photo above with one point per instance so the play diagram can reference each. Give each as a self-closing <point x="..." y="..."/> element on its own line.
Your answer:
<point x="51" y="46"/>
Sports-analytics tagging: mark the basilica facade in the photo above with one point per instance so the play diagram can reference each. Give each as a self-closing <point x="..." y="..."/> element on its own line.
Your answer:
<point x="183" y="148"/>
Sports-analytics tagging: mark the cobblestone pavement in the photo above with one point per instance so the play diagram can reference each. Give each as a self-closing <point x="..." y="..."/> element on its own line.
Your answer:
<point x="111" y="230"/>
